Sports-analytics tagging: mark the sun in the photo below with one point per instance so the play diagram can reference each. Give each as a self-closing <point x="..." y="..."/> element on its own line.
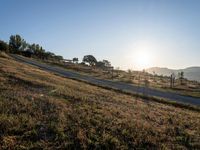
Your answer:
<point x="143" y="54"/>
<point x="143" y="59"/>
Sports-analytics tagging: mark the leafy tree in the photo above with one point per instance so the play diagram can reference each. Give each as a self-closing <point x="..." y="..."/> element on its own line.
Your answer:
<point x="38" y="50"/>
<point x="28" y="53"/>
<point x="75" y="60"/>
<point x="49" y="55"/>
<point x="58" y="58"/>
<point x="91" y="60"/>
<point x="103" y="64"/>
<point x="24" y="46"/>
<point x="3" y="46"/>
<point x="16" y="44"/>
<point x="32" y="46"/>
<point x="100" y="64"/>
<point x="106" y="63"/>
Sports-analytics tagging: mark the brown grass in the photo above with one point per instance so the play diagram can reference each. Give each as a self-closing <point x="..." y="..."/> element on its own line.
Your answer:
<point x="42" y="110"/>
<point x="189" y="88"/>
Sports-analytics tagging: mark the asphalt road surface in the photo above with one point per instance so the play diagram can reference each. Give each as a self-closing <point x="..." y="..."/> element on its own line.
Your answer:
<point x="112" y="84"/>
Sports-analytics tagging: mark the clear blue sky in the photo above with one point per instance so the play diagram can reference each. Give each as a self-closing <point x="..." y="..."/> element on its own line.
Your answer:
<point x="167" y="32"/>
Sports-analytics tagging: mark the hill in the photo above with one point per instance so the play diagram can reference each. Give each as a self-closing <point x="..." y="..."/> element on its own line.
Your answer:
<point x="191" y="73"/>
<point x="40" y="110"/>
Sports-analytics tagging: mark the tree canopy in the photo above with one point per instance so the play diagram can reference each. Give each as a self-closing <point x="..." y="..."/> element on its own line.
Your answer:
<point x="17" y="44"/>
<point x="90" y="59"/>
<point x="75" y="60"/>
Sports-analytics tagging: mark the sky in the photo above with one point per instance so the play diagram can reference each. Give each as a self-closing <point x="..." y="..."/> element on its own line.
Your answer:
<point x="132" y="34"/>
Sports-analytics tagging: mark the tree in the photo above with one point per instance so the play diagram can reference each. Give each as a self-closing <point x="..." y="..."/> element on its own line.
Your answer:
<point x="58" y="58"/>
<point x="100" y="64"/>
<point x="75" y="60"/>
<point x="91" y="60"/>
<point x="28" y="53"/>
<point x="16" y="44"/>
<point x="49" y="55"/>
<point x="3" y="46"/>
<point x="181" y="76"/>
<point x="103" y="64"/>
<point x="41" y="53"/>
<point x="106" y="63"/>
<point x="38" y="50"/>
<point x="130" y="74"/>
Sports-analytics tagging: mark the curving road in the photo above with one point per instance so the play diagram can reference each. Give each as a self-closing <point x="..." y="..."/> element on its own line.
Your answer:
<point x="111" y="84"/>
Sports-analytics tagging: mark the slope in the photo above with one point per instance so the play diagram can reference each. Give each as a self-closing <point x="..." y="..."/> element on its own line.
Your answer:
<point x="41" y="110"/>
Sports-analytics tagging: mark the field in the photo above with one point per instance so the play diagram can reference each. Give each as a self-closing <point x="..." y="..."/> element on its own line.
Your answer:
<point x="188" y="88"/>
<point x="41" y="110"/>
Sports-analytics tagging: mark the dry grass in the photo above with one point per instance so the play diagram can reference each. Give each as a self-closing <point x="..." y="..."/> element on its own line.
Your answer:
<point x="189" y="88"/>
<point x="42" y="110"/>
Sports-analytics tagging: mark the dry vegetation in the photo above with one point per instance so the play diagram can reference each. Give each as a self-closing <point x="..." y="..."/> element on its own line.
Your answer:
<point x="189" y="88"/>
<point x="41" y="110"/>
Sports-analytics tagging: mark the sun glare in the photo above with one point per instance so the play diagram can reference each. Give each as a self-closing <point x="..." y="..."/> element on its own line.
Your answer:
<point x="143" y="59"/>
<point x="143" y="55"/>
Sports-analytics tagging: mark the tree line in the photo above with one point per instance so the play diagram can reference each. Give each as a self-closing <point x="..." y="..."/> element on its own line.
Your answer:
<point x="17" y="45"/>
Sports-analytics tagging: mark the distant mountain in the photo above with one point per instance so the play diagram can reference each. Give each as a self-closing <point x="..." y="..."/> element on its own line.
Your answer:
<point x="191" y="73"/>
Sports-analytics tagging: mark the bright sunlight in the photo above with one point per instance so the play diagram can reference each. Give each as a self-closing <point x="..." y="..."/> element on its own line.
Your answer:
<point x="143" y="55"/>
<point x="143" y="59"/>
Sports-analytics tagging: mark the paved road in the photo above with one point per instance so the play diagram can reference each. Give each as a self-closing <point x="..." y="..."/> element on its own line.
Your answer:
<point x="112" y="84"/>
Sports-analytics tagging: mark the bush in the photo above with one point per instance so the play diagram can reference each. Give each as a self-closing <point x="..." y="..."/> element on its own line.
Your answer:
<point x="3" y="46"/>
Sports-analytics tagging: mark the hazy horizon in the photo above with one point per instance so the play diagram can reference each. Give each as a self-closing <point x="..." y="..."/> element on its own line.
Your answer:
<point x="131" y="34"/>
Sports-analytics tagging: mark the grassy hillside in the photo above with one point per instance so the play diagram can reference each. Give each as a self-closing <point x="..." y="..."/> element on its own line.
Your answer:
<point x="188" y="88"/>
<point x="41" y="110"/>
